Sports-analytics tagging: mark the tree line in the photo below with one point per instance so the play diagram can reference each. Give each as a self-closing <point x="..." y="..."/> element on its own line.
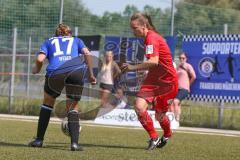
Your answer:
<point x="34" y="17"/>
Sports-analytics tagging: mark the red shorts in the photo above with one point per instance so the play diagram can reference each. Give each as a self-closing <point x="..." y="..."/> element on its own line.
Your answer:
<point x="159" y="96"/>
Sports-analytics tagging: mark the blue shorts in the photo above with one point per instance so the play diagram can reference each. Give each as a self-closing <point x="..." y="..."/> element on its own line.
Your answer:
<point x="182" y="94"/>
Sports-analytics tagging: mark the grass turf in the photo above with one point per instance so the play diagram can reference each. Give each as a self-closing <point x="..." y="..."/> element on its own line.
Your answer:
<point x="111" y="144"/>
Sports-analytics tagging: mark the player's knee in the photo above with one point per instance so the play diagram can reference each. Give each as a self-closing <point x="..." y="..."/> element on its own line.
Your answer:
<point x="48" y="99"/>
<point x="72" y="104"/>
<point x="139" y="108"/>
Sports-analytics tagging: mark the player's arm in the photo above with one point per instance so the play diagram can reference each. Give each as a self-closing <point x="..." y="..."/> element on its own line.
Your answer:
<point x="151" y="62"/>
<point x="38" y="63"/>
<point x="88" y="59"/>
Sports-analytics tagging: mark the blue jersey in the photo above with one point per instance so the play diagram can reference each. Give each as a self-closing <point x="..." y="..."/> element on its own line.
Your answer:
<point x="60" y="50"/>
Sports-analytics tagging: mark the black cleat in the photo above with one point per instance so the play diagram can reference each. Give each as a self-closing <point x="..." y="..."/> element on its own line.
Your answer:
<point x="76" y="147"/>
<point x="153" y="143"/>
<point x="36" y="143"/>
<point x="163" y="142"/>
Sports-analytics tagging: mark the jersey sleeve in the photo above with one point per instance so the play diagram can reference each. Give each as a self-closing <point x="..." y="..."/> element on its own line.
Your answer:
<point x="44" y="48"/>
<point x="81" y="45"/>
<point x="151" y="47"/>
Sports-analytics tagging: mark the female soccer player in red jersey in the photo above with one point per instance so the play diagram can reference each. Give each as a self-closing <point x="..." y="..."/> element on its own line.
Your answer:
<point x="160" y="86"/>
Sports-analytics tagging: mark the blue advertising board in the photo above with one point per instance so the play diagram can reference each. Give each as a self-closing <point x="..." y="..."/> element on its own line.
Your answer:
<point x="216" y="61"/>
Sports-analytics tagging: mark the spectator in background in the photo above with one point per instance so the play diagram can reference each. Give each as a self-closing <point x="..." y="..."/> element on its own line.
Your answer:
<point x="186" y="76"/>
<point x="109" y="71"/>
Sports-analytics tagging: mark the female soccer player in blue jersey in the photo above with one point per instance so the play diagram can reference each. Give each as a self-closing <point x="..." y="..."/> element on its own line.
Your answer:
<point x="67" y="69"/>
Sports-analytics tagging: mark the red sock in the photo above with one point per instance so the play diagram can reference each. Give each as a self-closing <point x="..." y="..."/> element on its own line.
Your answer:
<point x="147" y="124"/>
<point x="165" y="125"/>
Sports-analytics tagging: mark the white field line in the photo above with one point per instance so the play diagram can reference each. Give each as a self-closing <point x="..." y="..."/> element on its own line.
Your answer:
<point x="188" y="130"/>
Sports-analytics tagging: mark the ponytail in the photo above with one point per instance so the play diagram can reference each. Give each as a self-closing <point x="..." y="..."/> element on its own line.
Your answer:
<point x="144" y="19"/>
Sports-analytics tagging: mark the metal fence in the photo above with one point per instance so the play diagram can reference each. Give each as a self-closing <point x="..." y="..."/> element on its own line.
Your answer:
<point x="36" y="20"/>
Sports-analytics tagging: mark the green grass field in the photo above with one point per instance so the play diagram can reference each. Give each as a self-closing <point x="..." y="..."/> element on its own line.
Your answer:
<point x="103" y="143"/>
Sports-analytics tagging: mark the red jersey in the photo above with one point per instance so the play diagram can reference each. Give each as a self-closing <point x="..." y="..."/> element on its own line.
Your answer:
<point x="155" y="45"/>
<point x="162" y="79"/>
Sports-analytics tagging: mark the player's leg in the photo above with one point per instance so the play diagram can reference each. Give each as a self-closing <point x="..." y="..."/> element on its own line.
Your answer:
<point x="162" y="104"/>
<point x="44" y="117"/>
<point x="73" y="123"/>
<point x="51" y="91"/>
<point x="147" y="122"/>
<point x="74" y="86"/>
<point x="45" y="114"/>
<point x="165" y="125"/>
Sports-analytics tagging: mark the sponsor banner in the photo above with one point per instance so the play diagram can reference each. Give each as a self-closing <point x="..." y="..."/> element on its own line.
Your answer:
<point x="216" y="61"/>
<point x="128" y="117"/>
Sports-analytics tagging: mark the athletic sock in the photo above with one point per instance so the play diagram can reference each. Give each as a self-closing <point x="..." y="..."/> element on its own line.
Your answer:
<point x="147" y="124"/>
<point x="73" y="125"/>
<point x="43" y="120"/>
<point x="165" y="125"/>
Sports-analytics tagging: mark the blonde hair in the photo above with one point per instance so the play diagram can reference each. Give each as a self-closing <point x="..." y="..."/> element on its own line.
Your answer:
<point x="105" y="65"/>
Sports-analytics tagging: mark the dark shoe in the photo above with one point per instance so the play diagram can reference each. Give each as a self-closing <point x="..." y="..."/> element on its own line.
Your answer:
<point x="163" y="142"/>
<point x="36" y="143"/>
<point x="153" y="143"/>
<point x="76" y="147"/>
